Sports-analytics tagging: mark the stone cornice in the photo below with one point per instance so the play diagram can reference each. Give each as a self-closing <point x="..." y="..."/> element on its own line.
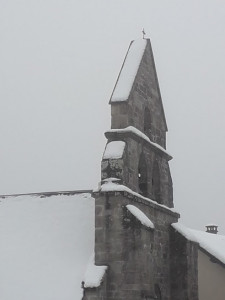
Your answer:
<point x="134" y="133"/>
<point x="126" y="192"/>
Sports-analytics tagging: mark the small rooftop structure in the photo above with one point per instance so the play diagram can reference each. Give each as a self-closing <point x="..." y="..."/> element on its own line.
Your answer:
<point x="212" y="228"/>
<point x="213" y="244"/>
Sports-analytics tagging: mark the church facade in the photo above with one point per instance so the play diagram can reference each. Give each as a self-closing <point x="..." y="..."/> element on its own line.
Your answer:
<point x="143" y="255"/>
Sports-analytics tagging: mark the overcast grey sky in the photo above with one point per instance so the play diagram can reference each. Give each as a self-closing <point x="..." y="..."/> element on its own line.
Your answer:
<point x="59" y="61"/>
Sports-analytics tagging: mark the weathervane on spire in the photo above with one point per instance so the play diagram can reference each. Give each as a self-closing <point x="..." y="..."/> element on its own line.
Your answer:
<point x="143" y="32"/>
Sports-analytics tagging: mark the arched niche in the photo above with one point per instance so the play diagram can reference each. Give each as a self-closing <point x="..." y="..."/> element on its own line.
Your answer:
<point x="142" y="176"/>
<point x="156" y="182"/>
<point x="147" y="121"/>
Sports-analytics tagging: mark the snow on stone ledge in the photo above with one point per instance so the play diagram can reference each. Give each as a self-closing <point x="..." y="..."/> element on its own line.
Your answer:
<point x="114" y="150"/>
<point x="111" y="179"/>
<point x="140" y="134"/>
<point x="110" y="186"/>
<point x="140" y="216"/>
<point x="129" y="70"/>
<point x="94" y="274"/>
<point x="214" y="244"/>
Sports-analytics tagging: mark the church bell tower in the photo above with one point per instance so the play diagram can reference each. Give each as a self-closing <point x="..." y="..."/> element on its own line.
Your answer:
<point x="138" y="120"/>
<point x="134" y="203"/>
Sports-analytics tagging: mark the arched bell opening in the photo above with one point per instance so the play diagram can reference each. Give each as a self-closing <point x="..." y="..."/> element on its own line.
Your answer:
<point x="142" y="176"/>
<point x="156" y="182"/>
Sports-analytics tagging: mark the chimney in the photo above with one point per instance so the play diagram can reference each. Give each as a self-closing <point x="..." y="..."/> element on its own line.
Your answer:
<point x="212" y="228"/>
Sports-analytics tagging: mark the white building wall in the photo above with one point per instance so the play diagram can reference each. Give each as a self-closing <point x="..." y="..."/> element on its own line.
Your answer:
<point x="211" y="279"/>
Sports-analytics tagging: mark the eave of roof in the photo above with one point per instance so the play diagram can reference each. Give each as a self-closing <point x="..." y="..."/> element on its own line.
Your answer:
<point x="212" y="244"/>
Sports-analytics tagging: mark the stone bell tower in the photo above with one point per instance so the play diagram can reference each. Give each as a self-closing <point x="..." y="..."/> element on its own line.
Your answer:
<point x="138" y="119"/>
<point x="134" y="204"/>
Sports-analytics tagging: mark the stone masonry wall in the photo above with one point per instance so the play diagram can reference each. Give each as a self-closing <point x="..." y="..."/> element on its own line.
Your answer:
<point x="138" y="257"/>
<point x="98" y="293"/>
<point x="184" y="267"/>
<point x="144" y="94"/>
<point x="127" y="169"/>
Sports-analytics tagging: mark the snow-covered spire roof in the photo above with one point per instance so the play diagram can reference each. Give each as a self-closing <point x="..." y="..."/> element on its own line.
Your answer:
<point x="129" y="70"/>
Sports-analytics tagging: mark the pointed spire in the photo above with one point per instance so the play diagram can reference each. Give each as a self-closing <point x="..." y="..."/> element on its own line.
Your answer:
<point x="128" y="71"/>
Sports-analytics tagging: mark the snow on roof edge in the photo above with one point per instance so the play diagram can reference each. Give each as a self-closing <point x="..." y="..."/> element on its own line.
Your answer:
<point x="114" y="187"/>
<point x="48" y="194"/>
<point x="214" y="244"/>
<point x="128" y="71"/>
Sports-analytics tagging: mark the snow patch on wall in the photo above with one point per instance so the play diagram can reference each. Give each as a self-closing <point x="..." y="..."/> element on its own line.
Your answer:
<point x="140" y="216"/>
<point x="94" y="274"/>
<point x="129" y="70"/>
<point x="114" y="150"/>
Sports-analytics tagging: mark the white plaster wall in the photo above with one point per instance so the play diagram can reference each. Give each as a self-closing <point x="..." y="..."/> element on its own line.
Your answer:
<point x="211" y="279"/>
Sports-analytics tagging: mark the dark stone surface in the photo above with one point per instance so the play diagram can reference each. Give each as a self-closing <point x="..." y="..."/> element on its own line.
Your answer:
<point x="184" y="267"/>
<point x="138" y="257"/>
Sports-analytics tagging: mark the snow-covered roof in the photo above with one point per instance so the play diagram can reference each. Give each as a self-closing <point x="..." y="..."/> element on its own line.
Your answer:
<point x="211" y="224"/>
<point x="140" y="216"/>
<point x="129" y="70"/>
<point x="114" y="150"/>
<point x="214" y="244"/>
<point x="46" y="243"/>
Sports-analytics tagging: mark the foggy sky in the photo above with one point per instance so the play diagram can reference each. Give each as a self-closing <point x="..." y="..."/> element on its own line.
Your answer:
<point x="59" y="63"/>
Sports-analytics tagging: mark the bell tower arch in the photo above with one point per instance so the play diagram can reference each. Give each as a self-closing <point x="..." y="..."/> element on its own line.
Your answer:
<point x="142" y="176"/>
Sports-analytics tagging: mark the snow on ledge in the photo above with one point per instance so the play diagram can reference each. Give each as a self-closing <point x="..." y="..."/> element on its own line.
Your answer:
<point x="110" y="186"/>
<point x="214" y="244"/>
<point x="140" y="134"/>
<point x="114" y="150"/>
<point x="129" y="70"/>
<point x="94" y="274"/>
<point x="136" y="212"/>
<point x="111" y="179"/>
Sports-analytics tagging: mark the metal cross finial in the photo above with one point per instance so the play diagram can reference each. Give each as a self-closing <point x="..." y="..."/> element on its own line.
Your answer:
<point x="143" y="32"/>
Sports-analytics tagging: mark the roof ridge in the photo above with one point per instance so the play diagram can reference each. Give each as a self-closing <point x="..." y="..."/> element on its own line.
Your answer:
<point x="47" y="194"/>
